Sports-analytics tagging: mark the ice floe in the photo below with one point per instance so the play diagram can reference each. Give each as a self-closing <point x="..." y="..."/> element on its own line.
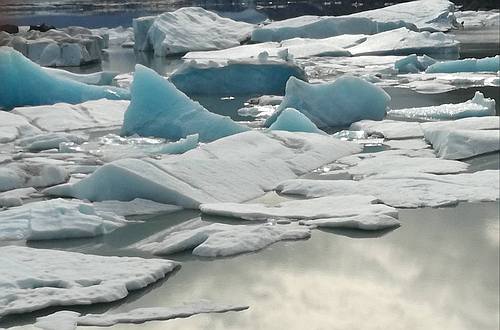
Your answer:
<point x="294" y="121"/>
<point x="71" y="46"/>
<point x="218" y="78"/>
<point x="217" y="239"/>
<point x="478" y="106"/>
<point x="404" y="41"/>
<point x="26" y="83"/>
<point x="13" y="126"/>
<point x="188" y="29"/>
<point x="159" y="109"/>
<point x="33" y="279"/>
<point x="316" y="208"/>
<point x="56" y="219"/>
<point x="23" y="174"/>
<point x="342" y="102"/>
<point x="232" y="169"/>
<point x="487" y="64"/>
<point x="62" y="117"/>
<point x="406" y="190"/>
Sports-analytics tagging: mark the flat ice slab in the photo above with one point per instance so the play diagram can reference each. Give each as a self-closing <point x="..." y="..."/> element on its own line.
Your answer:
<point x="316" y="208"/>
<point x="342" y="102"/>
<point x="33" y="279"/>
<point x="233" y="169"/>
<point x="406" y="190"/>
<point x="30" y="84"/>
<point x="56" y="219"/>
<point x="188" y="29"/>
<point x="478" y="106"/>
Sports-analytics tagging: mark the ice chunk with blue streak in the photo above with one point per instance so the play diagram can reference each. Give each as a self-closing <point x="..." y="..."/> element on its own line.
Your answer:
<point x="225" y="78"/>
<point x="294" y="121"/>
<point x="339" y="103"/>
<point x="478" y="106"/>
<point x="26" y="83"/>
<point x="487" y="64"/>
<point x="159" y="109"/>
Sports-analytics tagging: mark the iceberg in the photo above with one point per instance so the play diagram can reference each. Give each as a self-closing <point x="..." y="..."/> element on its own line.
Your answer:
<point x="478" y="106"/>
<point x="220" y="240"/>
<point x="38" y="87"/>
<point x="342" y="102"/>
<point x="61" y="117"/>
<point x="294" y="121"/>
<point x="71" y="46"/>
<point x="232" y="169"/>
<point x="187" y="29"/>
<point x="59" y="278"/>
<point x="159" y="109"/>
<point x="56" y="219"/>
<point x="487" y="64"/>
<point x="404" y="41"/>
<point x="461" y="144"/>
<point x="218" y="78"/>
<point x="13" y="126"/>
<point x="316" y="208"/>
<point x="406" y="190"/>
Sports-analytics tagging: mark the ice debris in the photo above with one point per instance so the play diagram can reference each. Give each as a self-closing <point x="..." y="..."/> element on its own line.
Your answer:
<point x="342" y="102"/>
<point x="48" y="141"/>
<point x="13" y="126"/>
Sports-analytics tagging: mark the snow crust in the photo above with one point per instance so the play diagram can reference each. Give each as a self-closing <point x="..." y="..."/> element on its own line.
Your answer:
<point x="187" y="29"/>
<point x="33" y="279"/>
<point x="218" y="78"/>
<point x="233" y="169"/>
<point x="406" y="190"/>
<point x="292" y="120"/>
<point x="159" y="109"/>
<point x="30" y="84"/>
<point x="478" y="106"/>
<point x="342" y="102"/>
<point x="487" y="64"/>
<point x="56" y="219"/>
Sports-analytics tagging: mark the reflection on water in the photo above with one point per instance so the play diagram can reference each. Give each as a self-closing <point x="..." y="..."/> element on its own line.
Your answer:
<point x="439" y="270"/>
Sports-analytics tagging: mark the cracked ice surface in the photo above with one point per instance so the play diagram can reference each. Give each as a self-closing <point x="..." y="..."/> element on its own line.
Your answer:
<point x="32" y="279"/>
<point x="56" y="219"/>
<point x="406" y="189"/>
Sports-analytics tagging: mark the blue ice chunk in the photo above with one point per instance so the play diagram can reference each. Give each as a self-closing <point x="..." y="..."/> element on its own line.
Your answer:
<point x="26" y="83"/>
<point x="294" y="121"/>
<point x="413" y="64"/>
<point x="317" y="27"/>
<point x="159" y="109"/>
<point x="339" y="103"/>
<point x="236" y="78"/>
<point x="487" y="64"/>
<point x="181" y="146"/>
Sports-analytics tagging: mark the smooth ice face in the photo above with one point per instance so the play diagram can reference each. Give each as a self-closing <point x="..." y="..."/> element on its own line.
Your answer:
<point x="235" y="78"/>
<point x="33" y="279"/>
<point x="13" y="126"/>
<point x="318" y="27"/>
<point x="488" y="64"/>
<point x="62" y="117"/>
<point x="461" y="144"/>
<point x="190" y="28"/>
<point x="404" y="41"/>
<point x="294" y="121"/>
<point x="218" y="240"/>
<point x="159" y="109"/>
<point x="342" y="102"/>
<point x="309" y="209"/>
<point x="478" y="106"/>
<point x="56" y="219"/>
<point x="233" y="169"/>
<point x="406" y="189"/>
<point x="26" y="83"/>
